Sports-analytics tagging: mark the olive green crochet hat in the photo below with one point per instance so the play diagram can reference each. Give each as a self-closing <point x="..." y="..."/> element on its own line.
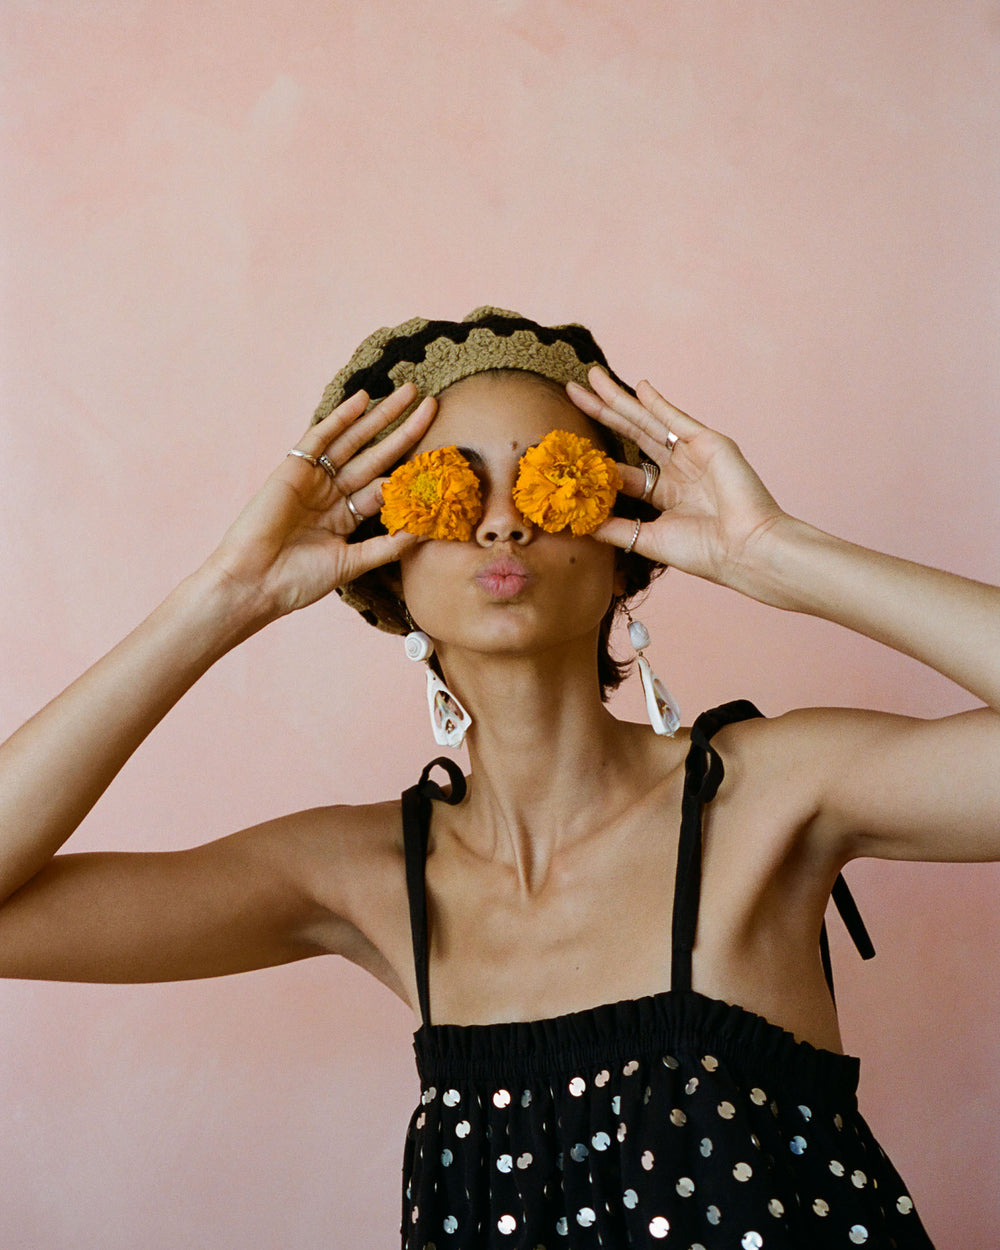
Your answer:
<point x="434" y="355"/>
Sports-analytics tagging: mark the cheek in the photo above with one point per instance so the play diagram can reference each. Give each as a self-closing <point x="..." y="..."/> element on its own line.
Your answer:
<point x="578" y="581"/>
<point x="425" y="575"/>
<point x="593" y="578"/>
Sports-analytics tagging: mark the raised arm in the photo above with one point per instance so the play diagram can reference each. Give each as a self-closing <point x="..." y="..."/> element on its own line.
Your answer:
<point x="287" y="549"/>
<point x="883" y="785"/>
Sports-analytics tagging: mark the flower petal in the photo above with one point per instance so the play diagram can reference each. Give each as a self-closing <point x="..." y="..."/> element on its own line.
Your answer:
<point x="434" y="495"/>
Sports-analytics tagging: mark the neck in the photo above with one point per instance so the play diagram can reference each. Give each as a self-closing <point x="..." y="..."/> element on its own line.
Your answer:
<point x="549" y="762"/>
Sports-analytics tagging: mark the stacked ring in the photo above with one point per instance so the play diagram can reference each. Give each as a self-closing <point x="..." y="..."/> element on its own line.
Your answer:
<point x="652" y="472"/>
<point x="303" y="455"/>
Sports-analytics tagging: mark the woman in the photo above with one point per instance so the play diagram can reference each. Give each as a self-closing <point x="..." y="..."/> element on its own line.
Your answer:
<point x="612" y="937"/>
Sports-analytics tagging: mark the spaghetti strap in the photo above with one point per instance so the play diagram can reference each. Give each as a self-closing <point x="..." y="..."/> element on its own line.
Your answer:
<point x="703" y="773"/>
<point x="416" y="828"/>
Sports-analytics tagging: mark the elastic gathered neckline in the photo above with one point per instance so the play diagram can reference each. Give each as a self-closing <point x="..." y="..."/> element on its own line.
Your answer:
<point x="679" y="1023"/>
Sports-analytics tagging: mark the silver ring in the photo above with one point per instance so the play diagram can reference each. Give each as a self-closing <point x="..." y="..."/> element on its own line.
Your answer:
<point x="352" y="510"/>
<point x="672" y="440"/>
<point x="652" y="472"/>
<point x="327" y="466"/>
<point x="635" y="535"/>
<point x="303" y="455"/>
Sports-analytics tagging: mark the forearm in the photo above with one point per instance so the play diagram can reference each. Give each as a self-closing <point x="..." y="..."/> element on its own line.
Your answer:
<point x="55" y="768"/>
<point x="948" y="622"/>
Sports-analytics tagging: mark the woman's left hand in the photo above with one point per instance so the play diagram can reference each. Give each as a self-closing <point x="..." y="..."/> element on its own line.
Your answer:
<point x="713" y="507"/>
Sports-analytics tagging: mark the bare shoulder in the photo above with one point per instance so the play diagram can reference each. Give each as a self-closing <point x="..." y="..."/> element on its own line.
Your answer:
<point x="869" y="783"/>
<point x="794" y="730"/>
<point x="778" y="777"/>
<point x="360" y="829"/>
<point x="311" y="842"/>
<point x="767" y="786"/>
<point x="350" y="859"/>
<point x="806" y="747"/>
<point x="802" y="758"/>
<point x="347" y="863"/>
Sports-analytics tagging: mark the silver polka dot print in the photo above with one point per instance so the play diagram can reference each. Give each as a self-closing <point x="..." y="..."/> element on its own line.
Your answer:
<point x="675" y="1120"/>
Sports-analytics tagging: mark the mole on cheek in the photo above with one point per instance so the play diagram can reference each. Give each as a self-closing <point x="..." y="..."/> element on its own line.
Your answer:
<point x="513" y="444"/>
<point x="572" y="559"/>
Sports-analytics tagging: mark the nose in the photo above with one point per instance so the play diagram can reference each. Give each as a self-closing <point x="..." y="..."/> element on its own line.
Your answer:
<point x="501" y="522"/>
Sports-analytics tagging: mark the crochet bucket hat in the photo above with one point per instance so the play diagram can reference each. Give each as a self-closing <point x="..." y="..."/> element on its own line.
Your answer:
<point x="434" y="355"/>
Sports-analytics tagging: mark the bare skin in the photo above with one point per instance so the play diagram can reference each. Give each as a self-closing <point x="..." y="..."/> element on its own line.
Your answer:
<point x="550" y="886"/>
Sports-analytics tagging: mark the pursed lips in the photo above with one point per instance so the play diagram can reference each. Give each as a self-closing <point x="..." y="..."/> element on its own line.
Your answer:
<point x="504" y="578"/>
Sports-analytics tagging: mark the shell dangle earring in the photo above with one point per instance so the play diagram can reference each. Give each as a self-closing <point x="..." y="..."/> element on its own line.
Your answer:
<point x="449" y="720"/>
<point x="664" y="714"/>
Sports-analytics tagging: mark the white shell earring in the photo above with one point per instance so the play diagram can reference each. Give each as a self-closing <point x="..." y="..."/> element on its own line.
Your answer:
<point x="449" y="720"/>
<point x="418" y="645"/>
<point x="661" y="708"/>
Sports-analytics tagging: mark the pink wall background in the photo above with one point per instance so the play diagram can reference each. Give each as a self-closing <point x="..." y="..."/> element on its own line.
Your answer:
<point x="786" y="215"/>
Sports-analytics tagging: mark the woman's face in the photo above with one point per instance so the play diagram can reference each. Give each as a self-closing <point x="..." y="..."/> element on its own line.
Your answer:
<point x="512" y="588"/>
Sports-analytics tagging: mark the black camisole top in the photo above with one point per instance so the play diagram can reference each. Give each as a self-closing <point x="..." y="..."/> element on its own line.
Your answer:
<point x="675" y="1120"/>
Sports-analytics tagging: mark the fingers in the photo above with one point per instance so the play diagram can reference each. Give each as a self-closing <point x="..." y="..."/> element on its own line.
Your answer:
<point x="318" y="437"/>
<point x="380" y="457"/>
<point x="349" y="416"/>
<point x="362" y="504"/>
<point x="348" y="430"/>
<point x="653" y="445"/>
<point x="646" y="418"/>
<point x="683" y="425"/>
<point x="382" y="549"/>
<point x="623" y="533"/>
<point x="634" y="483"/>
<point x="350" y="441"/>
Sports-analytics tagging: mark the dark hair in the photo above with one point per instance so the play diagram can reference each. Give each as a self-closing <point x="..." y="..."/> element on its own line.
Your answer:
<point x="637" y="571"/>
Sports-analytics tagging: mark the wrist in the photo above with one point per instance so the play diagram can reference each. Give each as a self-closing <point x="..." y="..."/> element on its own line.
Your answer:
<point x="224" y="611"/>
<point x="783" y="567"/>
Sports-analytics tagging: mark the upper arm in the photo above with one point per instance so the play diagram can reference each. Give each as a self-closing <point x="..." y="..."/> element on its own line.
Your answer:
<point x="896" y="787"/>
<point x="267" y="895"/>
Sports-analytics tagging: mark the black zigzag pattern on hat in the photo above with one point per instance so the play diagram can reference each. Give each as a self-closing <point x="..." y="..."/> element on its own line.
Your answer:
<point x="412" y="348"/>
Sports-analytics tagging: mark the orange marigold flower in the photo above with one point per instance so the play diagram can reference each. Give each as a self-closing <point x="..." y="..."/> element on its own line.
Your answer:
<point x="434" y="495"/>
<point x="566" y="481"/>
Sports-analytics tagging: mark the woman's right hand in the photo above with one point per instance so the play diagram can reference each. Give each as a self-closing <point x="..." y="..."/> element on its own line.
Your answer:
<point x="289" y="547"/>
